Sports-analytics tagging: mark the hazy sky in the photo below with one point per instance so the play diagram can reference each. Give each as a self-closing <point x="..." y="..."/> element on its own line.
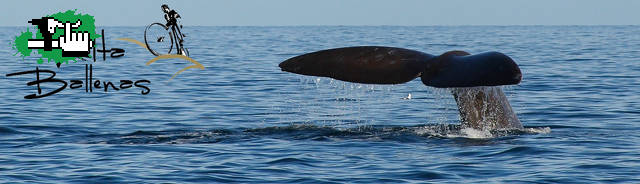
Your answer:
<point x="338" y="12"/>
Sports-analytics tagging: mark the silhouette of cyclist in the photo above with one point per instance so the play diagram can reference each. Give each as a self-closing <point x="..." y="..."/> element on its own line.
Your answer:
<point x="170" y="15"/>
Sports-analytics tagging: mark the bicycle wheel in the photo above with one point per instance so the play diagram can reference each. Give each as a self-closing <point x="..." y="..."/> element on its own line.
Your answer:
<point x="158" y="39"/>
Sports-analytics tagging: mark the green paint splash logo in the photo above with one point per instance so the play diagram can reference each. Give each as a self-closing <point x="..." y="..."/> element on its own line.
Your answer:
<point x="20" y="43"/>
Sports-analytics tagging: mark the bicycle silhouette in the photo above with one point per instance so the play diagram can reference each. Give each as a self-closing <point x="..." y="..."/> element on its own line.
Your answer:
<point x="155" y="35"/>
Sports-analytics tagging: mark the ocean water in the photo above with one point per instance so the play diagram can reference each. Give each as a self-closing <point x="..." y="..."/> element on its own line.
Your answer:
<point x="243" y="120"/>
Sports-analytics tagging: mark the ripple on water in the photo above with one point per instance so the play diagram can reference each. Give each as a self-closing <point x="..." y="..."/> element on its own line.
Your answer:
<point x="309" y="132"/>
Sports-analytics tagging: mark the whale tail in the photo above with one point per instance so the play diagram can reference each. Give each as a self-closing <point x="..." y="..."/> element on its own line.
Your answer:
<point x="389" y="65"/>
<point x="470" y="76"/>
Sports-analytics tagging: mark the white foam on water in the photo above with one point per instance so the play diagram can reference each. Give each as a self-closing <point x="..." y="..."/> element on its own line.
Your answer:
<point x="429" y="131"/>
<point x="443" y="130"/>
<point x="476" y="134"/>
<point x="539" y="130"/>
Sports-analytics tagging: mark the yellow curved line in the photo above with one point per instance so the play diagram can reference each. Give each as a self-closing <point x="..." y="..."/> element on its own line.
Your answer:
<point x="168" y="56"/>
<point x="185" y="68"/>
<point x="133" y="41"/>
<point x="176" y="56"/>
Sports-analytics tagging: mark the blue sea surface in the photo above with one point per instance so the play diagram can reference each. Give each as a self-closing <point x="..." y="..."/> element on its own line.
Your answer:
<point x="242" y="119"/>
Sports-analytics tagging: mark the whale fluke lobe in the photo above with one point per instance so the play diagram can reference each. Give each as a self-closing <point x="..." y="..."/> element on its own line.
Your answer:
<point x="460" y="69"/>
<point x="365" y="64"/>
<point x="472" y="78"/>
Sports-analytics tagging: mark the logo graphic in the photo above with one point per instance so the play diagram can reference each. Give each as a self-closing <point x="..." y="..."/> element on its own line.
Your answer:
<point x="166" y="40"/>
<point x="60" y="38"/>
<point x="69" y="36"/>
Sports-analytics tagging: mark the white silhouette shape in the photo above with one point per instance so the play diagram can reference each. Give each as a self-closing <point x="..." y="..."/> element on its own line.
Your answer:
<point x="69" y="42"/>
